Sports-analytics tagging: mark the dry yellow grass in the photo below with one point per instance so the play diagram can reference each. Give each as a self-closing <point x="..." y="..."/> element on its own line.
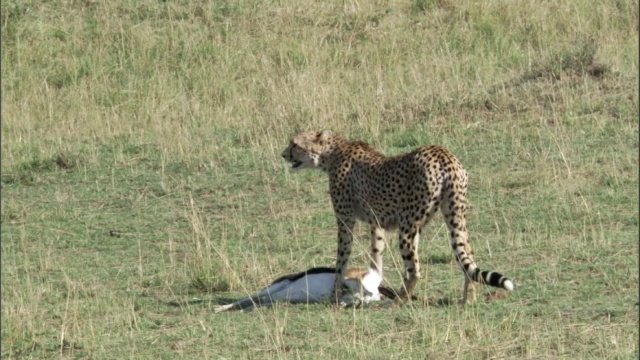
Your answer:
<point x="140" y="167"/>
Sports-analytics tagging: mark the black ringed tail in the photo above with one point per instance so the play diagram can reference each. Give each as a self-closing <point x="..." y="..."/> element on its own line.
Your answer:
<point x="492" y="279"/>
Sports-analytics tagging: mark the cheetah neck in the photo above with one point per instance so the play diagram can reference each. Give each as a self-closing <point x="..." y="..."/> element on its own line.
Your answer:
<point x="333" y="155"/>
<point x="342" y="153"/>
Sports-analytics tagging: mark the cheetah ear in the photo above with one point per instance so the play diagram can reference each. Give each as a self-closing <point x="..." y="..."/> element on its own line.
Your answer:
<point x="324" y="135"/>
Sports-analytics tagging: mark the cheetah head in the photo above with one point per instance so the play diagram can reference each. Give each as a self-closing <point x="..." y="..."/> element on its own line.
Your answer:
<point x="304" y="150"/>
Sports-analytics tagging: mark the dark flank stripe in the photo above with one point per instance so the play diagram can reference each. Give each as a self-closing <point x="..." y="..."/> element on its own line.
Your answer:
<point x="387" y="292"/>
<point x="294" y="277"/>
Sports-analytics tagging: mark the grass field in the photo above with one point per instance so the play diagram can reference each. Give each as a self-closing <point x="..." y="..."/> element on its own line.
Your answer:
<point x="142" y="182"/>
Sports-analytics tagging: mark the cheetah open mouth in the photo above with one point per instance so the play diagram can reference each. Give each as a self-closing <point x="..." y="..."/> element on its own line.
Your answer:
<point x="296" y="164"/>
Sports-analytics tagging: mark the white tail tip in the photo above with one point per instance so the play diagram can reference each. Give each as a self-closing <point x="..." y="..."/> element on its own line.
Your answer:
<point x="508" y="285"/>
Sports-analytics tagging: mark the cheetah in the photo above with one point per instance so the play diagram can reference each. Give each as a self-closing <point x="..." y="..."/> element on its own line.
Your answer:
<point x="401" y="192"/>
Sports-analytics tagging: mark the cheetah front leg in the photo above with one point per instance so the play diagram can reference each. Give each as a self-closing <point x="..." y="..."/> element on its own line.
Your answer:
<point x="346" y="224"/>
<point x="409" y="239"/>
<point x="377" y="247"/>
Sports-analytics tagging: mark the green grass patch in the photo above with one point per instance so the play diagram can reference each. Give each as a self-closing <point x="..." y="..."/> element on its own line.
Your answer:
<point x="142" y="182"/>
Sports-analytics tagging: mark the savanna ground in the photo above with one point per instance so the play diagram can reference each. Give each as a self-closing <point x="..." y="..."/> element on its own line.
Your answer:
<point x="142" y="182"/>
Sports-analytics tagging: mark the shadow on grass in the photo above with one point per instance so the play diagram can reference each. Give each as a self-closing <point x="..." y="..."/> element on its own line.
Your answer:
<point x="441" y="302"/>
<point x="415" y="301"/>
<point x="425" y="300"/>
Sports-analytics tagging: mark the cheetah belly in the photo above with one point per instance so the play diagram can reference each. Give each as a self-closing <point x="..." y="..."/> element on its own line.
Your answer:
<point x="375" y="215"/>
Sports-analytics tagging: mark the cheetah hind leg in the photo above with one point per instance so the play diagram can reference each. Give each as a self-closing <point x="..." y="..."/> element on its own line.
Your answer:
<point x="469" y="292"/>
<point x="409" y="239"/>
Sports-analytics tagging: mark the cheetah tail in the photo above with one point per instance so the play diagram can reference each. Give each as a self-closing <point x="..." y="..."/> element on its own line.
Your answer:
<point x="493" y="279"/>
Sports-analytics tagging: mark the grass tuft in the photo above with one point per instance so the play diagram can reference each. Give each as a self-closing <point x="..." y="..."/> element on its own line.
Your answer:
<point x="209" y="266"/>
<point x="578" y="61"/>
